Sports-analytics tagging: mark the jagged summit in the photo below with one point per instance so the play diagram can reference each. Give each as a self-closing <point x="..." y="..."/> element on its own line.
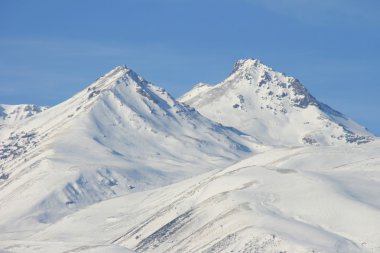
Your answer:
<point x="248" y="64"/>
<point x="256" y="73"/>
<point x="251" y="66"/>
<point x="119" y="75"/>
<point x="275" y="108"/>
<point x="124" y="82"/>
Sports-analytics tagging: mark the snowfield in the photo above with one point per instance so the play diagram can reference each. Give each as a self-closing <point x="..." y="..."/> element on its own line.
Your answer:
<point x="124" y="167"/>
<point x="306" y="199"/>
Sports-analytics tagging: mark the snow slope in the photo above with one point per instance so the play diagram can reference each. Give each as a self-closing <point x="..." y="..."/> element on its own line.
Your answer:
<point x="122" y="134"/>
<point x="306" y="199"/>
<point x="274" y="108"/>
<point x="9" y="114"/>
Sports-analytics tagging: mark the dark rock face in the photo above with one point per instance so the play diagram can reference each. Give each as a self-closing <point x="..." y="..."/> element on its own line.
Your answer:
<point x="306" y="98"/>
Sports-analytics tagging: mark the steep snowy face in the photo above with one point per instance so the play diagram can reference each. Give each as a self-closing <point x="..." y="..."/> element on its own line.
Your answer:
<point x="122" y="134"/>
<point x="11" y="113"/>
<point x="274" y="108"/>
<point x="284" y="89"/>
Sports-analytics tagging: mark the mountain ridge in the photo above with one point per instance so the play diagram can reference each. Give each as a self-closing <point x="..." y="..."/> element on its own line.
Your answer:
<point x="122" y="134"/>
<point x="123" y="165"/>
<point x="263" y="102"/>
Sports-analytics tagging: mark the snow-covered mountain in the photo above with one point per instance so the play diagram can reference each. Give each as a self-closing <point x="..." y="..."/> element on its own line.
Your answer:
<point x="122" y="134"/>
<point x="274" y="108"/>
<point x="9" y="114"/>
<point x="124" y="167"/>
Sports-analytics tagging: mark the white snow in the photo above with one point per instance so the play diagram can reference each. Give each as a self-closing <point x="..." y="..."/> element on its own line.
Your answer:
<point x="120" y="135"/>
<point x="9" y="114"/>
<point x="307" y="199"/>
<point x="274" y="108"/>
<point x="124" y="167"/>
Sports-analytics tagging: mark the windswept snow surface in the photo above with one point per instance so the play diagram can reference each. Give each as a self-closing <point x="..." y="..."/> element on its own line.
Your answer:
<point x="306" y="199"/>
<point x="274" y="108"/>
<point x="120" y="135"/>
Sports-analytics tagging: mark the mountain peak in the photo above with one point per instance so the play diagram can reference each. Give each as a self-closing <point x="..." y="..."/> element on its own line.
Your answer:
<point x="119" y="76"/>
<point x="272" y="106"/>
<point x="248" y="64"/>
<point x="252" y="69"/>
<point x="124" y="71"/>
<point x="255" y="72"/>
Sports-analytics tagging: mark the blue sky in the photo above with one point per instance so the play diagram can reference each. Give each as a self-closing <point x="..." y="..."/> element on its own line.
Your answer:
<point x="51" y="49"/>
